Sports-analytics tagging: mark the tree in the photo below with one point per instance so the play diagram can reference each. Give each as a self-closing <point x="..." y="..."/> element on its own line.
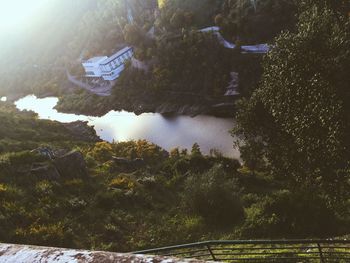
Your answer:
<point x="299" y="117"/>
<point x="175" y="153"/>
<point x="188" y="13"/>
<point x="260" y="22"/>
<point x="219" y="20"/>
<point x="133" y="35"/>
<point x="214" y="197"/>
<point x="196" y="150"/>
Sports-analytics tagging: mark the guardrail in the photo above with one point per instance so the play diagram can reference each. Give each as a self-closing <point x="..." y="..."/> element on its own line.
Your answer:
<point x="281" y="251"/>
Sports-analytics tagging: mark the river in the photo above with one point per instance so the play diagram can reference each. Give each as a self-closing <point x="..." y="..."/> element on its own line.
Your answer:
<point x="180" y="131"/>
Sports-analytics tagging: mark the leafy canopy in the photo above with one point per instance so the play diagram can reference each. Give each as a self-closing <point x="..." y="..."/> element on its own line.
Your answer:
<point x="299" y="117"/>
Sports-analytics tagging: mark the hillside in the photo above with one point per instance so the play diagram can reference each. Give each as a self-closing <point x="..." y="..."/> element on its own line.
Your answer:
<point x="178" y="57"/>
<point x="133" y="195"/>
<point x="60" y="185"/>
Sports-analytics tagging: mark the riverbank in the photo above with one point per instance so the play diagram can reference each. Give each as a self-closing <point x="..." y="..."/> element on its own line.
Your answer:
<point x="84" y="103"/>
<point x="92" y="105"/>
<point x="168" y="131"/>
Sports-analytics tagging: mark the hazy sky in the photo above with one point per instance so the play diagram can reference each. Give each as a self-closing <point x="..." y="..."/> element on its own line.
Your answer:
<point x="18" y="14"/>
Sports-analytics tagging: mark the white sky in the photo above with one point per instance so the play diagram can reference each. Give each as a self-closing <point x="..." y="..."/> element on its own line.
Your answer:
<point x="15" y="14"/>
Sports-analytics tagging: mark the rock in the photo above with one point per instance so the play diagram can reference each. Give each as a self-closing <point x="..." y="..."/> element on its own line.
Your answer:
<point x="43" y="171"/>
<point x="11" y="253"/>
<point x="82" y="131"/>
<point x="71" y="165"/>
<point x="44" y="151"/>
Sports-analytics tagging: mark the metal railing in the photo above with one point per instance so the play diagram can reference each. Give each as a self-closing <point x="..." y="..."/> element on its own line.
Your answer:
<point x="281" y="251"/>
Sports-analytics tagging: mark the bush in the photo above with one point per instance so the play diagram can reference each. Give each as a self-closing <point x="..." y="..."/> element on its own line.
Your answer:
<point x="123" y="182"/>
<point x="214" y="196"/>
<point x="102" y="151"/>
<point x="290" y="214"/>
<point x="25" y="157"/>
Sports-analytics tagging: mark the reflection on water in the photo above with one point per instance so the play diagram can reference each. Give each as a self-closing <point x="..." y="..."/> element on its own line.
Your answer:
<point x="182" y="131"/>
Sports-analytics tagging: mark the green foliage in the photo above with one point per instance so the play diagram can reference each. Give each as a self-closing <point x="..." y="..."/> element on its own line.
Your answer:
<point x="293" y="132"/>
<point x="241" y="20"/>
<point x="139" y="149"/>
<point x="23" y="131"/>
<point x="297" y="120"/>
<point x="193" y="68"/>
<point x="123" y="182"/>
<point x="179" y="14"/>
<point x="120" y="207"/>
<point x="102" y="152"/>
<point x="196" y="150"/>
<point x="215" y="197"/>
<point x="298" y="214"/>
<point x="133" y="35"/>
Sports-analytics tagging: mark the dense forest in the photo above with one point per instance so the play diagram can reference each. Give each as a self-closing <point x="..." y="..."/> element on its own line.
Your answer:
<point x="179" y="56"/>
<point x="292" y="128"/>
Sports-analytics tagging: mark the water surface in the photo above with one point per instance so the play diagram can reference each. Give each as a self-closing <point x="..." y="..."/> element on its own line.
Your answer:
<point x="180" y="131"/>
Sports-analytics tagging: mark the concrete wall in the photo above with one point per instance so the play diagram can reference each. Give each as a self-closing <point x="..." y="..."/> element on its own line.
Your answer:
<point x="10" y="253"/>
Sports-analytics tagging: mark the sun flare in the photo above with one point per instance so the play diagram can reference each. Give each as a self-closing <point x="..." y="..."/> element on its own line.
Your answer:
<point x="14" y="13"/>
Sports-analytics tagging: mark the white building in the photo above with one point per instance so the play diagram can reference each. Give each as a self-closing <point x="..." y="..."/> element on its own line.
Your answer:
<point x="92" y="66"/>
<point x="108" y="68"/>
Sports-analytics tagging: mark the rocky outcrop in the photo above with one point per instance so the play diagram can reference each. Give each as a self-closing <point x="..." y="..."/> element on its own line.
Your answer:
<point x="58" y="163"/>
<point x="44" y="151"/>
<point x="82" y="131"/>
<point x="43" y="171"/>
<point x="71" y="165"/>
<point x="10" y="253"/>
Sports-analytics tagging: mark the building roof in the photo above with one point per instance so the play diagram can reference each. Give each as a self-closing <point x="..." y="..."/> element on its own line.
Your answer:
<point x="95" y="60"/>
<point x="118" y="54"/>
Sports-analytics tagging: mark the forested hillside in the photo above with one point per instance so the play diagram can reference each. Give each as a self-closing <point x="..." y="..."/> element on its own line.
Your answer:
<point x="133" y="195"/>
<point x="292" y="128"/>
<point x="178" y="56"/>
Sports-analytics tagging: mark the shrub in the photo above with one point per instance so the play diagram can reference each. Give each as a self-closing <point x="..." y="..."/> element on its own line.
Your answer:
<point x="214" y="196"/>
<point x="290" y="214"/>
<point x="102" y="151"/>
<point x="123" y="182"/>
<point x="25" y="157"/>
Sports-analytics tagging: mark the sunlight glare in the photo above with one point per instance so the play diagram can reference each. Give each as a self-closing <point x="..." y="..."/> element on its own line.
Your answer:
<point x="14" y="13"/>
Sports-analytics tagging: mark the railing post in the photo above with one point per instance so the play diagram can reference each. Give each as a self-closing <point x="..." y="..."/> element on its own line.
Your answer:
<point x="212" y="254"/>
<point x="321" y="254"/>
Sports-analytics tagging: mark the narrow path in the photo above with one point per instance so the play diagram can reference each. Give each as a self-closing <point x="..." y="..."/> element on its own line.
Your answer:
<point x="103" y="91"/>
<point x="258" y="49"/>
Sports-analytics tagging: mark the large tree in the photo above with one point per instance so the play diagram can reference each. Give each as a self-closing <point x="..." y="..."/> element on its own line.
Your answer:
<point x="259" y="22"/>
<point x="298" y="120"/>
